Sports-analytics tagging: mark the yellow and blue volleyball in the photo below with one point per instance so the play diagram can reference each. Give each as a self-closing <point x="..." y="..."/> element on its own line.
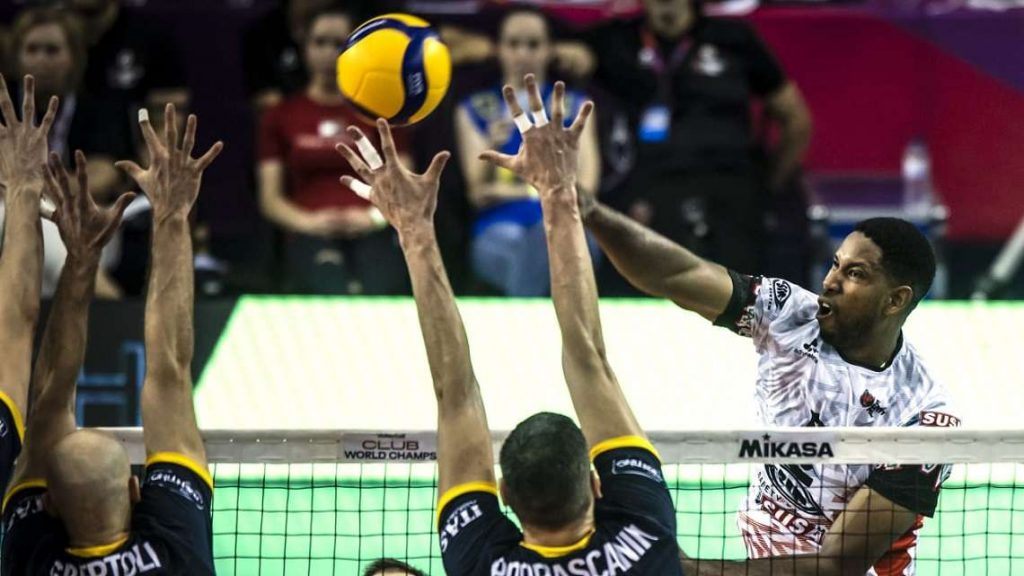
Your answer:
<point x="395" y="67"/>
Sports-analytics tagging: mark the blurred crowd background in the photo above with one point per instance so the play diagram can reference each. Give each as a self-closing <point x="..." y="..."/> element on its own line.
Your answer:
<point x="754" y="132"/>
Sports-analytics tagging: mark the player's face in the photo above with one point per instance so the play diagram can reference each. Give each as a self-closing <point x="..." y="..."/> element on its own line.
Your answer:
<point x="524" y="47"/>
<point x="854" y="292"/>
<point x="45" y="54"/>
<point x="326" y="40"/>
<point x="669" y="18"/>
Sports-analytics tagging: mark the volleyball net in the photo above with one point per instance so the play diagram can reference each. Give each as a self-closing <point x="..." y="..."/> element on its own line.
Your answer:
<point x="332" y="502"/>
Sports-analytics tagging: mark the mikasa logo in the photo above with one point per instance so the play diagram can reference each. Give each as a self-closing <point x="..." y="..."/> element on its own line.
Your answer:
<point x="765" y="448"/>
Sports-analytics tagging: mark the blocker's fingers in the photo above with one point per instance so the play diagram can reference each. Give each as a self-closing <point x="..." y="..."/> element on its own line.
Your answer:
<point x="149" y="135"/>
<point x="581" y="119"/>
<point x="6" y="106"/>
<point x="366" y="149"/>
<point x="540" y="116"/>
<point x="355" y="161"/>
<point x="558" y="104"/>
<point x="387" y="143"/>
<point x="498" y="159"/>
<point x="362" y="189"/>
<point x="521" y="120"/>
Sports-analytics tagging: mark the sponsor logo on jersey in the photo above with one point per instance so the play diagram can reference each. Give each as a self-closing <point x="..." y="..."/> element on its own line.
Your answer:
<point x="636" y="467"/>
<point x="3" y="428"/>
<point x="793" y="482"/>
<point x="781" y="291"/>
<point x="874" y="407"/>
<point x="809" y="350"/>
<point x="766" y="448"/>
<point x="458" y="520"/>
<point x="181" y="486"/>
<point x="139" y="559"/>
<point x="940" y="419"/>
<point x="617" y="556"/>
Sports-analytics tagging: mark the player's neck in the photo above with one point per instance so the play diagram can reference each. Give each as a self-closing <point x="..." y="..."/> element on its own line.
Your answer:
<point x="875" y="352"/>
<point x="562" y="537"/>
<point x="324" y="91"/>
<point x="97" y="538"/>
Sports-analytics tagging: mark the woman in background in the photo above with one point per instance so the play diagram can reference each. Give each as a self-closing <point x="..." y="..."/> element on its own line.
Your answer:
<point x="336" y="243"/>
<point x="509" y="249"/>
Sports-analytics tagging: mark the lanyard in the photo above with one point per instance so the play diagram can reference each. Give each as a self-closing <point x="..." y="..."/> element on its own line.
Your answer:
<point x="651" y="54"/>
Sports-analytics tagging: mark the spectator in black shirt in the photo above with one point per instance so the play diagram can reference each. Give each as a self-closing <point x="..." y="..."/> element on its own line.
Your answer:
<point x="688" y="81"/>
<point x="129" y="57"/>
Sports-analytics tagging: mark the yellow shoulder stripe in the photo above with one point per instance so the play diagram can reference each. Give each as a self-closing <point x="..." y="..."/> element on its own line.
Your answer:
<point x="559" y="551"/>
<point x="96" y="551"/>
<point x="461" y="489"/>
<point x="181" y="460"/>
<point x="19" y="423"/>
<point x="31" y="483"/>
<point x="623" y="442"/>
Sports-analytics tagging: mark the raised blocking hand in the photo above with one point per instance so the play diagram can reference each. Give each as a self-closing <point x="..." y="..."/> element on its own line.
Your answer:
<point x="173" y="177"/>
<point x="548" y="158"/>
<point x="23" y="145"/>
<point x="84" y="227"/>
<point x="405" y="199"/>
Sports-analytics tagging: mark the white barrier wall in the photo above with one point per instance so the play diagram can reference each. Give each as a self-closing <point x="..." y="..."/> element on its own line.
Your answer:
<point x="359" y="364"/>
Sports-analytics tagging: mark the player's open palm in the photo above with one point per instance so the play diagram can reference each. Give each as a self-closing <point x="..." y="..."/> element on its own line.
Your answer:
<point x="406" y="199"/>
<point x="84" y="227"/>
<point x="23" y="146"/>
<point x="548" y="158"/>
<point x="173" y="177"/>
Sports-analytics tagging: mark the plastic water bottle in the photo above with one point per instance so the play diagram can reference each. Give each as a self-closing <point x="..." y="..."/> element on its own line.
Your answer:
<point x="917" y="177"/>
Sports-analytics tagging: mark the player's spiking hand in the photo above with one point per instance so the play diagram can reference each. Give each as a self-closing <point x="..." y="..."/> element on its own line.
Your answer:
<point x="406" y="199"/>
<point x="173" y="178"/>
<point x="84" y="227"/>
<point x="548" y="158"/>
<point x="23" y="146"/>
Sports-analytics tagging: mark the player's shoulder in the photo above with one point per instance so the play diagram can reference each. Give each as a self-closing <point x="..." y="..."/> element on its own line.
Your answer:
<point x="781" y="297"/>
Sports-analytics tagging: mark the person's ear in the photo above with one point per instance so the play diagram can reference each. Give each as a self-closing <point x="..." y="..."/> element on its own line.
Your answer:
<point x="899" y="301"/>
<point x="506" y="499"/>
<point x="134" y="491"/>
<point x="595" y="485"/>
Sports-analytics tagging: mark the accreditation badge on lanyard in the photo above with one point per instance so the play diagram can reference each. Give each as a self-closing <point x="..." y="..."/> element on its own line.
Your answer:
<point x="656" y="119"/>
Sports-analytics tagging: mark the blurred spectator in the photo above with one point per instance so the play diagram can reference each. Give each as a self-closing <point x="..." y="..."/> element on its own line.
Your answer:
<point x="48" y="44"/>
<point x="508" y="245"/>
<point x="688" y="81"/>
<point x="130" y="56"/>
<point x="334" y="244"/>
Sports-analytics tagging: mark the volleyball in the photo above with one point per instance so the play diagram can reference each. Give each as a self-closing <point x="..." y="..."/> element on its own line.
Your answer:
<point x="395" y="67"/>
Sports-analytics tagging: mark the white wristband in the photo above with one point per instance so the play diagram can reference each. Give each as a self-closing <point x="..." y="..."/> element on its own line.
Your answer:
<point x="522" y="122"/>
<point x="362" y="189"/>
<point x="369" y="153"/>
<point x="540" y="117"/>
<point x="46" y="208"/>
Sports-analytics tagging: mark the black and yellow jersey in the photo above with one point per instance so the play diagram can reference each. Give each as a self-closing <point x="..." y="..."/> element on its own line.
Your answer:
<point x="171" y="531"/>
<point x="12" y="431"/>
<point x="635" y="525"/>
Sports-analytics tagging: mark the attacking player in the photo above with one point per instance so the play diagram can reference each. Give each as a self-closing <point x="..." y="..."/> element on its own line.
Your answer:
<point x="835" y="360"/>
<point x="22" y="156"/>
<point x="620" y="521"/>
<point x="74" y="507"/>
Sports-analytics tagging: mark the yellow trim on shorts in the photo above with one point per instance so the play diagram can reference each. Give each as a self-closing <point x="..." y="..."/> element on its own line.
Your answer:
<point x="181" y="460"/>
<point x="30" y="483"/>
<point x="623" y="442"/>
<point x="461" y="489"/>
<point x="96" y="551"/>
<point x="559" y="551"/>
<point x="19" y="423"/>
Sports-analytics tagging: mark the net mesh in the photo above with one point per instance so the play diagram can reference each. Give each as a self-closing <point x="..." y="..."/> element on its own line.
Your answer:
<point x="314" y="503"/>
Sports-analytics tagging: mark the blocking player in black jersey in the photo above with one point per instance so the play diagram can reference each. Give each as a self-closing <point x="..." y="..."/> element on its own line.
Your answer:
<point x="22" y="154"/>
<point x="74" y="508"/>
<point x="619" y="521"/>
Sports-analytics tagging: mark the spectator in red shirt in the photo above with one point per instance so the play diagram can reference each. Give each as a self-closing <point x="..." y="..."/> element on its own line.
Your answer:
<point x="336" y="243"/>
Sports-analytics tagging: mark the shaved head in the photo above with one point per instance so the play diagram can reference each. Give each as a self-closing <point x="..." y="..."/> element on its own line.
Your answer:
<point x="89" y="483"/>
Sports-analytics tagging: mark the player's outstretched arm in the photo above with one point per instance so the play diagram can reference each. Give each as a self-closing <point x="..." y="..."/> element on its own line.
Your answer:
<point x="23" y="152"/>
<point x="85" y="229"/>
<point x="548" y="160"/>
<point x="655" y="264"/>
<point x="408" y="202"/>
<point x="172" y="183"/>
<point x="856" y="541"/>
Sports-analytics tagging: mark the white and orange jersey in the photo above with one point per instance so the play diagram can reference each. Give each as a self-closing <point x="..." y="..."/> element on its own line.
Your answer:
<point x="803" y="381"/>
